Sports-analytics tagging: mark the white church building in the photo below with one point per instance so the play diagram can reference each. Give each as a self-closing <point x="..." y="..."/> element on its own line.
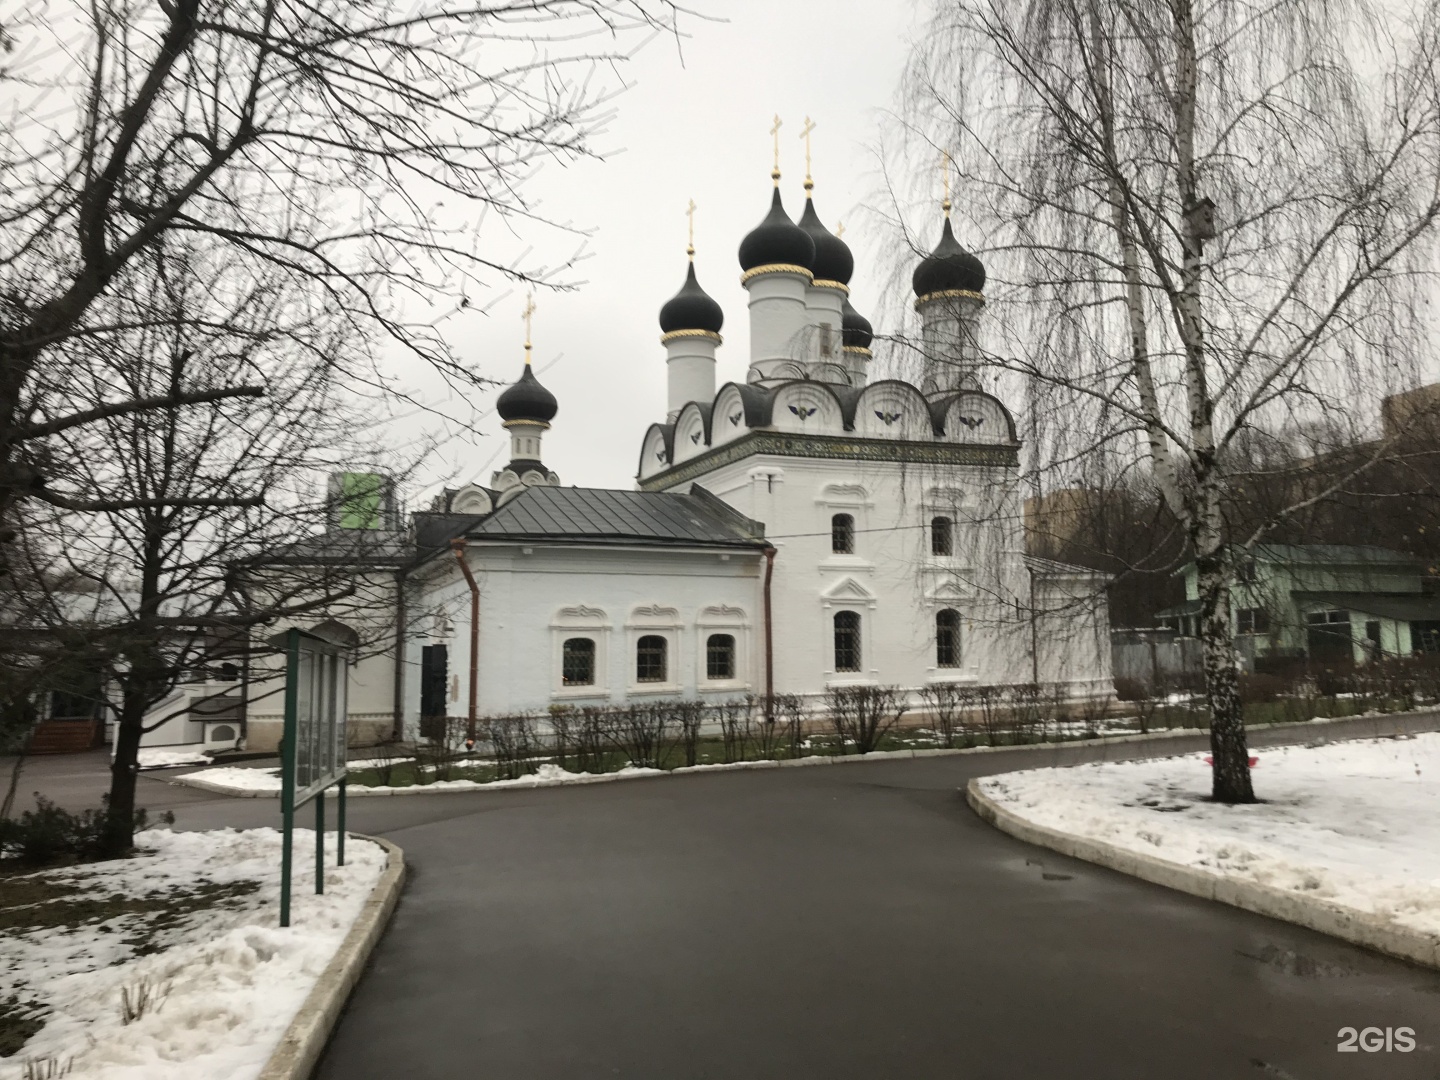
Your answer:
<point x="806" y="529"/>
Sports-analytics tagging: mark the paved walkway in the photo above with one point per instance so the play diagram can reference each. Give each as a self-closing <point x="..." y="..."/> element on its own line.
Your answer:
<point x="830" y="923"/>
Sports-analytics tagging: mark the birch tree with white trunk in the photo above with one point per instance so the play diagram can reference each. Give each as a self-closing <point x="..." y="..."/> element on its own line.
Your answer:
<point x="1201" y="221"/>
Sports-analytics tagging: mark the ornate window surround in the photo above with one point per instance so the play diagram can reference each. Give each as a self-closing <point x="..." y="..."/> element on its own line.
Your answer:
<point x="580" y="621"/>
<point x="723" y="619"/>
<point x="664" y="622"/>
<point x="848" y="594"/>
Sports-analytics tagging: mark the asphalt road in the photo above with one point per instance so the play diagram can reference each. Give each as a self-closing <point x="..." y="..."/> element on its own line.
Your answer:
<point x="841" y="922"/>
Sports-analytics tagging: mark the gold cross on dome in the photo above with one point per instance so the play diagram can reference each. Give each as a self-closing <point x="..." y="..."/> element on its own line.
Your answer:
<point x="690" y="213"/>
<point x="839" y="228"/>
<point x="945" y="176"/>
<point x="775" y="131"/>
<point x="805" y="134"/>
<point x="529" y="311"/>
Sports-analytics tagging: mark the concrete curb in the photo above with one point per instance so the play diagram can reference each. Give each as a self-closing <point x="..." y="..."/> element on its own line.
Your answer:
<point x="197" y="780"/>
<point x="1337" y="920"/>
<point x="300" y="1047"/>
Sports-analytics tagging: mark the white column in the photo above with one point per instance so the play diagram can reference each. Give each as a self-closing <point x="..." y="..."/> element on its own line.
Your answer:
<point x="950" y="340"/>
<point x="824" y="308"/>
<point x="525" y="439"/>
<point x="689" y="368"/>
<point x="778" y="318"/>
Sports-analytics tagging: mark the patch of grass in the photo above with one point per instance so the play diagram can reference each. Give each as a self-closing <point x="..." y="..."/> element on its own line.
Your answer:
<point x="19" y="1021"/>
<point x="44" y="905"/>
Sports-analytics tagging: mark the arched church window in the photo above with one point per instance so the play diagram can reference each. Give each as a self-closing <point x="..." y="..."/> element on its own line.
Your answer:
<point x="577" y="661"/>
<point x="947" y="638"/>
<point x="847" y="641"/>
<point x="842" y="534"/>
<point x="650" y="659"/>
<point x="942" y="536"/>
<point x="720" y="657"/>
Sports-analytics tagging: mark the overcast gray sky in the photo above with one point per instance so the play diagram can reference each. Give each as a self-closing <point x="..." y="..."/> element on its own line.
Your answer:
<point x="695" y="124"/>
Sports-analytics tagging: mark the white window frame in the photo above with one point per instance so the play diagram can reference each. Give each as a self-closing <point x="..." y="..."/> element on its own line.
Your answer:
<point x="852" y="499"/>
<point x="580" y="621"/>
<point x="663" y="622"/>
<point x="723" y="619"/>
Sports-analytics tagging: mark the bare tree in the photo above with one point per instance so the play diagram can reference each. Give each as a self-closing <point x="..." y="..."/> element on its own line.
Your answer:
<point x="183" y="543"/>
<point x="316" y="141"/>
<point x="1203" y="220"/>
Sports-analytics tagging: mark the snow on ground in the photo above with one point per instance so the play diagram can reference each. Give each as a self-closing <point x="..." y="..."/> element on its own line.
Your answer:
<point x="1356" y="823"/>
<point x="230" y="980"/>
<point x="165" y="757"/>
<point x="239" y="778"/>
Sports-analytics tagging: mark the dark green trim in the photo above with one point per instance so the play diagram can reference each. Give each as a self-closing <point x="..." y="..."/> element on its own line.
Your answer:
<point x="833" y="448"/>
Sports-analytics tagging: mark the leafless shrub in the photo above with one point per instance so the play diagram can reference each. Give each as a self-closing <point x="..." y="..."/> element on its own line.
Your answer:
<point x="1027" y="709"/>
<point x="947" y="703"/>
<point x="436" y="757"/>
<point x="592" y="737"/>
<point x="48" y="1068"/>
<point x="769" y="732"/>
<point x="991" y="703"/>
<point x="1093" y="709"/>
<point x="147" y="994"/>
<point x="690" y="718"/>
<point x="564" y="722"/>
<point x="790" y="713"/>
<point x="517" y="743"/>
<point x="639" y="730"/>
<point x="734" y="720"/>
<point x="861" y="715"/>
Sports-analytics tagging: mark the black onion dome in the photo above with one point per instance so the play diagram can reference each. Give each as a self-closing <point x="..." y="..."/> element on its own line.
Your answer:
<point x="833" y="261"/>
<point x="777" y="239"/>
<point x="948" y="267"/>
<point x="691" y="309"/>
<point x="855" y="328"/>
<point x="527" y="400"/>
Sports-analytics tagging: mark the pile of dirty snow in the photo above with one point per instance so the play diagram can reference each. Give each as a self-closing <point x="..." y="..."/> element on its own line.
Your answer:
<point x="185" y="933"/>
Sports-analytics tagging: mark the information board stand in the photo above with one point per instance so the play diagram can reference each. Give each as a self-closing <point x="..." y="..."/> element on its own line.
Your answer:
<point x="313" y="747"/>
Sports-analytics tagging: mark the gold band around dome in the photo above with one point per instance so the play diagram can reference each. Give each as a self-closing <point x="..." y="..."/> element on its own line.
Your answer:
<point x="708" y="335"/>
<point x="858" y="350"/>
<point x="824" y="283"/>
<point x="776" y="268"/>
<point x="522" y="423"/>
<point x="949" y="294"/>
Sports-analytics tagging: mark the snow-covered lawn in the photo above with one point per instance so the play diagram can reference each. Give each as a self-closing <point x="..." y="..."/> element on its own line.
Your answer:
<point x="1356" y="823"/>
<point x="200" y="939"/>
<point x="167" y="757"/>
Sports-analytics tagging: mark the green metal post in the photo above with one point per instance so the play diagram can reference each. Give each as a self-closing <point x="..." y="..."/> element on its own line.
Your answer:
<point x="287" y="772"/>
<point x="340" y="824"/>
<point x="320" y="842"/>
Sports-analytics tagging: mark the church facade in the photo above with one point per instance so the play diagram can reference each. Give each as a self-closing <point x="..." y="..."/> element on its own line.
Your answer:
<point x="805" y="529"/>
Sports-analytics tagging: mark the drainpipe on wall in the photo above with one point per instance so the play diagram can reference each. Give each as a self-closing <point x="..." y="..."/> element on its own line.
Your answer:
<point x="769" y="638"/>
<point x="458" y="546"/>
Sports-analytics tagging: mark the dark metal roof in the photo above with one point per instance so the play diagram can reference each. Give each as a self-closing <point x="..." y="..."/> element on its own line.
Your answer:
<point x="1402" y="607"/>
<point x="603" y="516"/>
<point x="357" y="547"/>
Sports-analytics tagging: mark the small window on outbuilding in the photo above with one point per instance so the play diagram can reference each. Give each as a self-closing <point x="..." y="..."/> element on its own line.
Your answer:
<point x="650" y="658"/>
<point x="947" y="638"/>
<point x="847" y="641"/>
<point x="577" y="662"/>
<point x="842" y="534"/>
<point x="942" y="536"/>
<point x="720" y="657"/>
